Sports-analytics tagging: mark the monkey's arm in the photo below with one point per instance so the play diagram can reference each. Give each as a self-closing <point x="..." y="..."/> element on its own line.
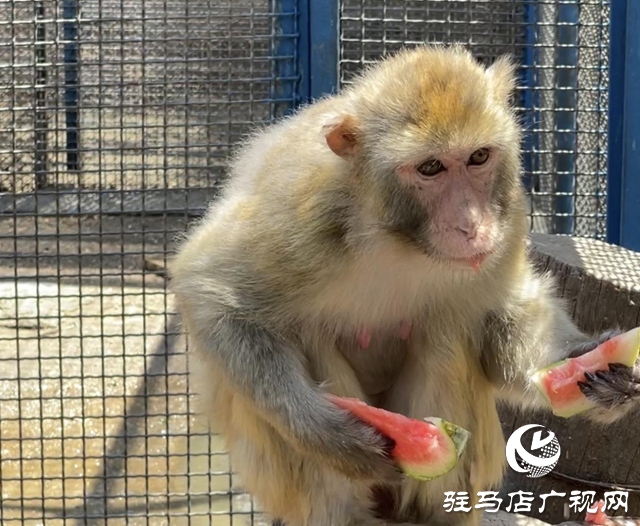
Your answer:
<point x="268" y="371"/>
<point x="533" y="330"/>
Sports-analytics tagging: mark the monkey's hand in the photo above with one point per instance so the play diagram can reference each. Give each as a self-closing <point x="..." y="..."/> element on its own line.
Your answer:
<point x="618" y="387"/>
<point x="354" y="448"/>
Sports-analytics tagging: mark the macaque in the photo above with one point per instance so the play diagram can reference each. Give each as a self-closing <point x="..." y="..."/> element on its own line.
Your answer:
<point x="373" y="245"/>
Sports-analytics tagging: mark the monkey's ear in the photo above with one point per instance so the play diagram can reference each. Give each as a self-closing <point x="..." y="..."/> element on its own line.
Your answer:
<point x="502" y="75"/>
<point x="341" y="134"/>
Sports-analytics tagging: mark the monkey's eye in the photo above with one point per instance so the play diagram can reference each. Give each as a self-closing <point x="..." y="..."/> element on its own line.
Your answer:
<point x="430" y="168"/>
<point x="479" y="156"/>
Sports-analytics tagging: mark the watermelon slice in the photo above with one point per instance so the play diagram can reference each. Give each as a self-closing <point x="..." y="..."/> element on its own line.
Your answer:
<point x="423" y="450"/>
<point x="558" y="382"/>
<point x="598" y="516"/>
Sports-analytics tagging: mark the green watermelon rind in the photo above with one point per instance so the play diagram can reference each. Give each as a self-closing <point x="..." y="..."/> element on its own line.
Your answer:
<point x="537" y="379"/>
<point x="625" y="356"/>
<point x="457" y="438"/>
<point x="459" y="435"/>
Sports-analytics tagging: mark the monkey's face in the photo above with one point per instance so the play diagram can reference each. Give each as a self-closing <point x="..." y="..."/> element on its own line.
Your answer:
<point x="435" y="143"/>
<point x="451" y="199"/>
<point x="451" y="203"/>
<point x="449" y="188"/>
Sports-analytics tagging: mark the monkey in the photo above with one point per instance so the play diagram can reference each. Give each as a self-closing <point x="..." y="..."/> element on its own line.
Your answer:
<point x="374" y="245"/>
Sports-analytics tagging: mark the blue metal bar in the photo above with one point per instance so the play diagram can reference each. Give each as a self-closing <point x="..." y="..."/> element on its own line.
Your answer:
<point x="617" y="46"/>
<point x="71" y="78"/>
<point x="566" y="122"/>
<point x="315" y="48"/>
<point x="623" y="192"/>
<point x="285" y="43"/>
<point x="530" y="97"/>
<point x="304" y="50"/>
<point x="41" y="123"/>
<point x="323" y="48"/>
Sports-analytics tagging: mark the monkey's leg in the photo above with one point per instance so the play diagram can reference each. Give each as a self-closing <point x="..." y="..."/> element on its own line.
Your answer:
<point x="288" y="485"/>
<point x="441" y="378"/>
<point x="293" y="487"/>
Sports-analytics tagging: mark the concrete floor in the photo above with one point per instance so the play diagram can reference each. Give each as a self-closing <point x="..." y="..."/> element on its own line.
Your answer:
<point x="96" y="423"/>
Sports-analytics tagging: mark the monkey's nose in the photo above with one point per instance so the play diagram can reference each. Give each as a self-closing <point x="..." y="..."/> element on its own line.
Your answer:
<point x="469" y="230"/>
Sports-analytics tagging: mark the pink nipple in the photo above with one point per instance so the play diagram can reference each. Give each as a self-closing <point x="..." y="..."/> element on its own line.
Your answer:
<point x="405" y="330"/>
<point x="364" y="338"/>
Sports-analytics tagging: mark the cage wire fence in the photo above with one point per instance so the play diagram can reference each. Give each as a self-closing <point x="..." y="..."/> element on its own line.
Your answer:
<point x="116" y="119"/>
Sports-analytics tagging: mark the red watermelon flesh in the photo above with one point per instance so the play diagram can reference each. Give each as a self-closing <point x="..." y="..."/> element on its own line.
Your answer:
<point x="423" y="449"/>
<point x="598" y="517"/>
<point x="559" y="382"/>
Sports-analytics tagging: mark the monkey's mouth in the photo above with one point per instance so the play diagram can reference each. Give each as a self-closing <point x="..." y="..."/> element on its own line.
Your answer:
<point x="474" y="262"/>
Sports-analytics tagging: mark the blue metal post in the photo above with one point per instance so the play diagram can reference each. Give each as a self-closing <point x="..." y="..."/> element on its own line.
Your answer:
<point x="41" y="123"/>
<point x="623" y="192"/>
<point x="323" y="47"/>
<point x="307" y="30"/>
<point x="71" y="77"/>
<point x="286" y="56"/>
<point x="566" y="106"/>
<point x="530" y="97"/>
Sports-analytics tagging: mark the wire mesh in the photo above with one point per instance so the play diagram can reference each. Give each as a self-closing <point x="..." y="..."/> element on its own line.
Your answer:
<point x="562" y="49"/>
<point x="116" y="118"/>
